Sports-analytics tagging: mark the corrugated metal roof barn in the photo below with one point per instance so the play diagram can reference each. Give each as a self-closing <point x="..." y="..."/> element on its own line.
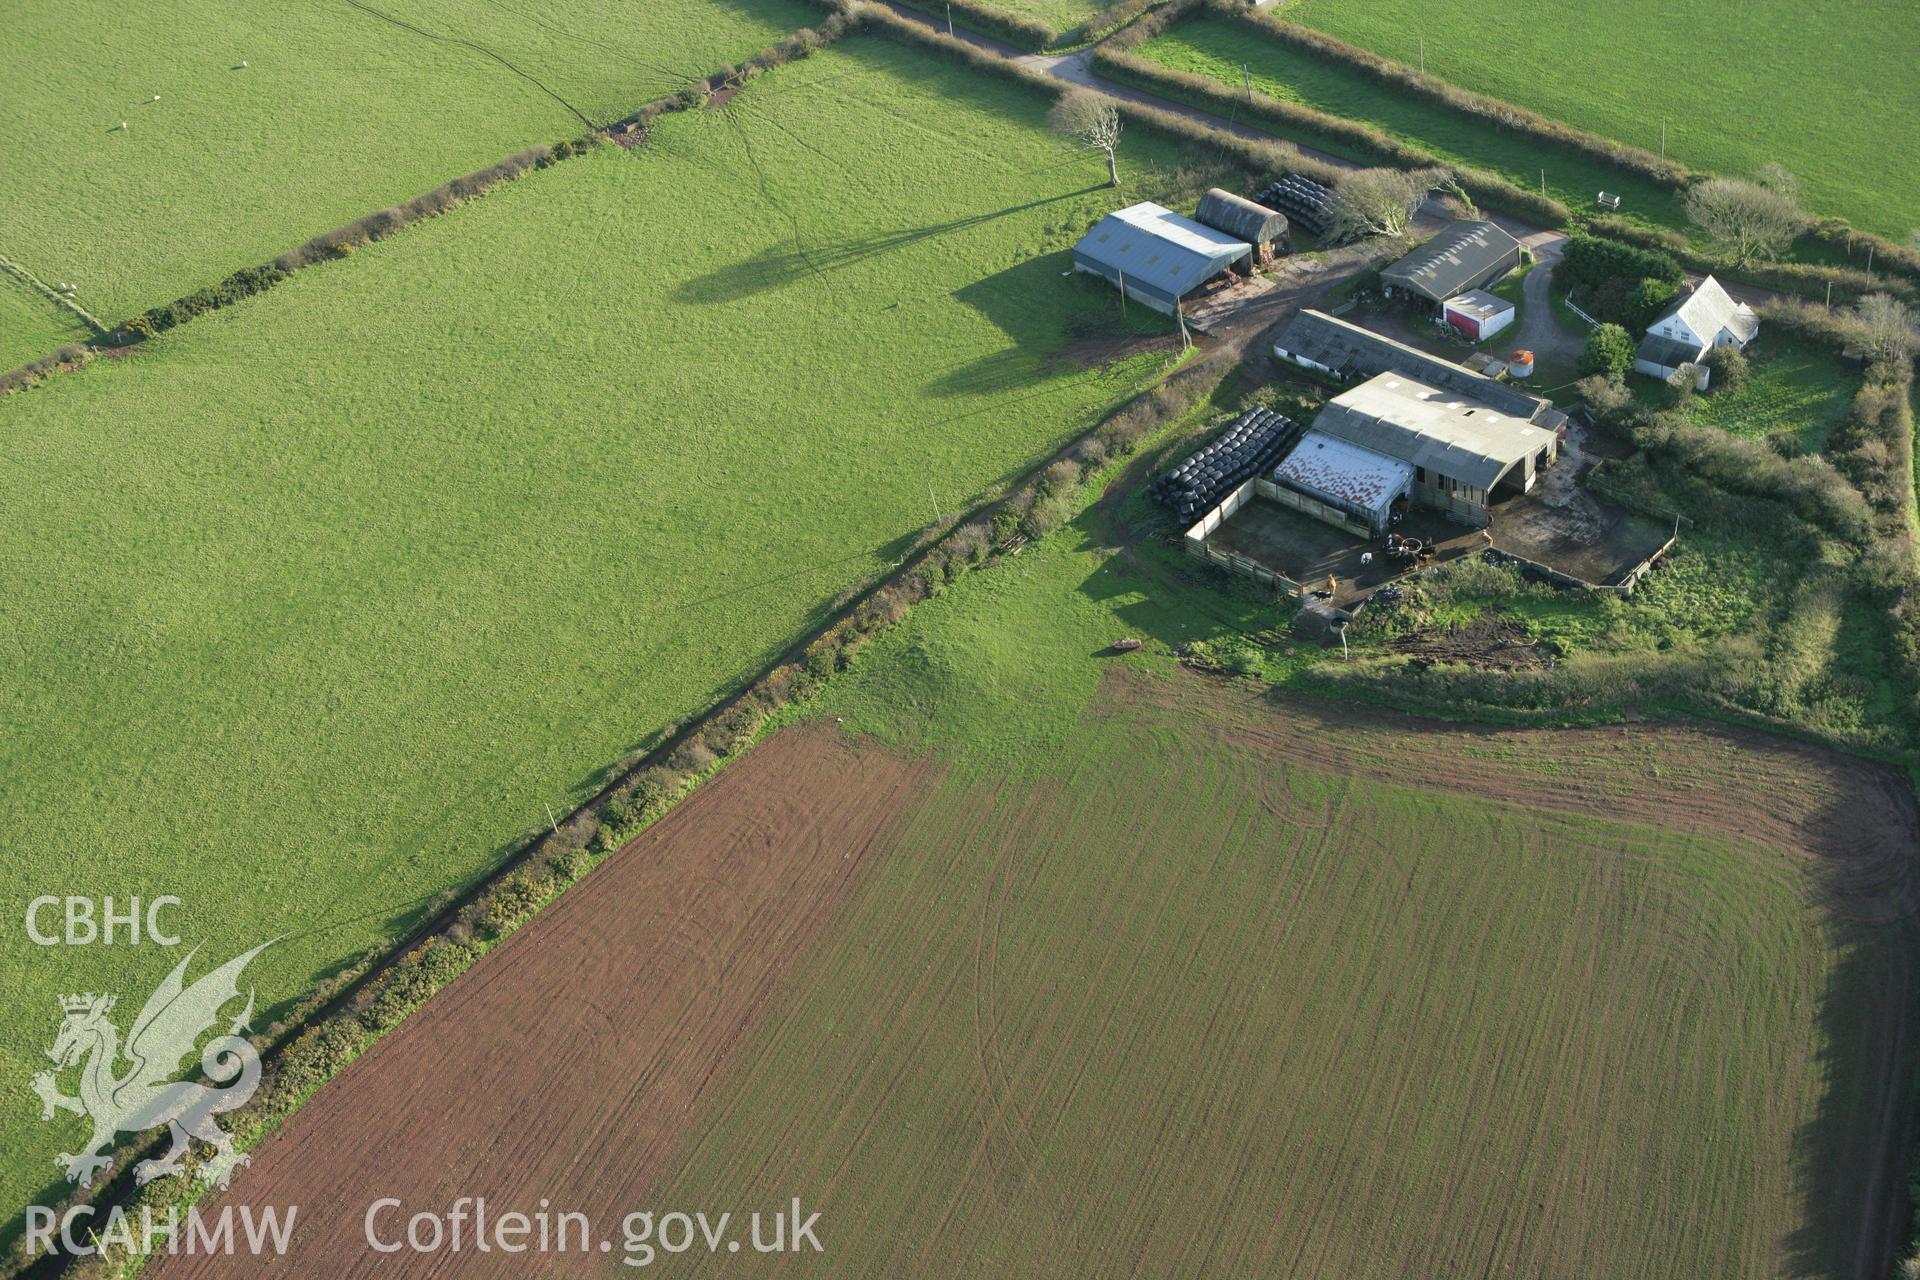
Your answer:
<point x="1347" y="476"/>
<point x="1465" y="255"/>
<point x="1160" y="255"/>
<point x="1350" y="351"/>
<point x="1241" y="218"/>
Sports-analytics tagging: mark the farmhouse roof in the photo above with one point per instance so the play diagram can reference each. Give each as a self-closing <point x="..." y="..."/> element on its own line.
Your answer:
<point x="1345" y="471"/>
<point x="1709" y="309"/>
<point x="1442" y="430"/>
<point x="1459" y="257"/>
<point x="1155" y="246"/>
<point x="1240" y="217"/>
<point x="1668" y="353"/>
<point x="1349" y="350"/>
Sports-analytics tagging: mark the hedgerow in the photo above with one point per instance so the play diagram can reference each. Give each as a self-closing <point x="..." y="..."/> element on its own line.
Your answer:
<point x="1014" y="28"/>
<point x="1901" y="259"/>
<point x="1114" y="59"/>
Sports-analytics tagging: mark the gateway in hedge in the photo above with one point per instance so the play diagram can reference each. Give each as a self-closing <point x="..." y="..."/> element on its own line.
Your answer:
<point x="1156" y="256"/>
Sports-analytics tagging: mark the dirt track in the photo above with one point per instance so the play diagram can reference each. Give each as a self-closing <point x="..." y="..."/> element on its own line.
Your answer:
<point x="572" y="1060"/>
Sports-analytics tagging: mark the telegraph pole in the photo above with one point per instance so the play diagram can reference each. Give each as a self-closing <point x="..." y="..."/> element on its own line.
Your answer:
<point x="1423" y="55"/>
<point x="949" y="17"/>
<point x="1246" y="81"/>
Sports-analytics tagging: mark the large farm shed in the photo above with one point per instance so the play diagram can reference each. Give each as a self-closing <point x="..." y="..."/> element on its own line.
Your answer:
<point x="1156" y="256"/>
<point x="1467" y="255"/>
<point x="1465" y="453"/>
<point x="1327" y="344"/>
<point x="1265" y="229"/>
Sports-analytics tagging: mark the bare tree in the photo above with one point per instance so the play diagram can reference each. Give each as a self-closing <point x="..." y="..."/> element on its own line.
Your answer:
<point x="1374" y="202"/>
<point x="1779" y="179"/>
<point x="1093" y="119"/>
<point x="1747" y="219"/>
<point x="1887" y="328"/>
<point x="1451" y="185"/>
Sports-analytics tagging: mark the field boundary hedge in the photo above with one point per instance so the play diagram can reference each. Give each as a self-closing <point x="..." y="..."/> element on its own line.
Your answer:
<point x="989" y="19"/>
<point x="1114" y="59"/>
<point x="344" y="240"/>
<point x="52" y="295"/>
<point x="340" y="1021"/>
<point x="1499" y="114"/>
<point x="1807" y="279"/>
<point x="1259" y="154"/>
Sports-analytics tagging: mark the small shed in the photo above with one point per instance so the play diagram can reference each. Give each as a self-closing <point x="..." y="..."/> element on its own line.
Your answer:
<point x="1156" y="256"/>
<point x="1263" y="228"/>
<point x="1478" y="314"/>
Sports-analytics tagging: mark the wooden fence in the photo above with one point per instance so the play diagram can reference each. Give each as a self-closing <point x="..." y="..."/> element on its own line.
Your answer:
<point x="1309" y="506"/>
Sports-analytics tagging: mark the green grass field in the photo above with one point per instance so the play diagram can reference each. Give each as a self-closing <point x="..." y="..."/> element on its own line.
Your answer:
<point x="31" y="325"/>
<point x="1144" y="987"/>
<point x="1825" y="89"/>
<point x="1062" y="15"/>
<point x="342" y="109"/>
<point x="1219" y="49"/>
<point x="316" y="603"/>
<point x="1795" y="387"/>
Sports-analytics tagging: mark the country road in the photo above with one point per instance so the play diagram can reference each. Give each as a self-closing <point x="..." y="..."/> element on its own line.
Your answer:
<point x="1538" y="328"/>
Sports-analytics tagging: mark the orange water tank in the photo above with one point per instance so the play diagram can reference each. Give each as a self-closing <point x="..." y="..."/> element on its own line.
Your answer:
<point x="1520" y="364"/>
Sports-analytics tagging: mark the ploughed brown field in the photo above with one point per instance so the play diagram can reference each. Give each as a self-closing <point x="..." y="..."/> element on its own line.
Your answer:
<point x="1229" y="986"/>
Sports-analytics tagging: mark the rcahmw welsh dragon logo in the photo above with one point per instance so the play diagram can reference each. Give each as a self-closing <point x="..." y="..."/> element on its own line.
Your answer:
<point x="147" y="1094"/>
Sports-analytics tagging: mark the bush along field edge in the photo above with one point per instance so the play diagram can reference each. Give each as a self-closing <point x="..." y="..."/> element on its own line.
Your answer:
<point x="1833" y="233"/>
<point x="1027" y="32"/>
<point x="1114" y="59"/>
<point x="343" y="241"/>
<point x="338" y="1022"/>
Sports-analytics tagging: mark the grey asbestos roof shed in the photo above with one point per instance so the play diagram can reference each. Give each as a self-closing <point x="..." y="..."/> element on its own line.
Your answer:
<point x="1160" y="255"/>
<point x="1349" y="351"/>
<point x="1433" y="428"/>
<point x="1241" y="218"/>
<point x="1465" y="255"/>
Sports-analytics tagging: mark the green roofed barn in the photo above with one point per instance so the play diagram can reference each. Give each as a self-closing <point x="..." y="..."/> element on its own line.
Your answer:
<point x="1156" y="256"/>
